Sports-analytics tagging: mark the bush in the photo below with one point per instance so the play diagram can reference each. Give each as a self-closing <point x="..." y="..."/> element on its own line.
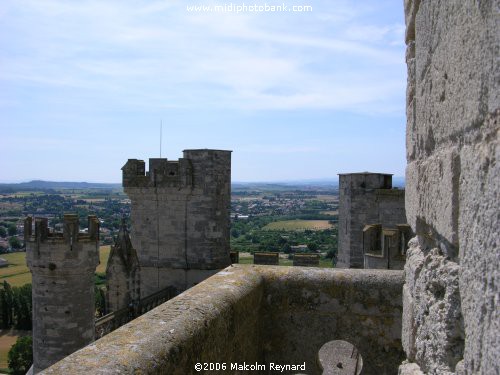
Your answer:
<point x="12" y="230"/>
<point x="312" y="246"/>
<point x="20" y="357"/>
<point x="15" y="243"/>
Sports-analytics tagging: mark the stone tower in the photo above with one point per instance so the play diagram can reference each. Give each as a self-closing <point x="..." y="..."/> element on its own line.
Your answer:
<point x="365" y="198"/>
<point x="62" y="266"/>
<point x="122" y="274"/>
<point x="180" y="218"/>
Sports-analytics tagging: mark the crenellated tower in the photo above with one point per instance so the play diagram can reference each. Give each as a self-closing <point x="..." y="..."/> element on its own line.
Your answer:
<point x="62" y="266"/>
<point x="180" y="217"/>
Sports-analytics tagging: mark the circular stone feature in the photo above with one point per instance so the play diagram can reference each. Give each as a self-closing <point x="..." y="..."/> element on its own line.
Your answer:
<point x="340" y="358"/>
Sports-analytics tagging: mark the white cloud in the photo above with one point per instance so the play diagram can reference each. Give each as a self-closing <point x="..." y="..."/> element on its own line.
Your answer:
<point x="155" y="54"/>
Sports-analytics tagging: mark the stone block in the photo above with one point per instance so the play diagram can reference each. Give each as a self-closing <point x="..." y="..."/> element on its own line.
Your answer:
<point x="409" y="369"/>
<point x="436" y="210"/>
<point x="266" y="258"/>
<point x="479" y="250"/>
<point x="409" y="330"/>
<point x="411" y="8"/>
<point x="433" y="333"/>
<point x="456" y="71"/>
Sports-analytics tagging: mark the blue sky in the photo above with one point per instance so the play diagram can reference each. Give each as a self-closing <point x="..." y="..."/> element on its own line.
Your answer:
<point x="295" y="95"/>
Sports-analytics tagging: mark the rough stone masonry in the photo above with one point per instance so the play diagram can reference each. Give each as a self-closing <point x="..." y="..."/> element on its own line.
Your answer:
<point x="365" y="198"/>
<point x="63" y="266"/>
<point x="180" y="217"/>
<point x="451" y="319"/>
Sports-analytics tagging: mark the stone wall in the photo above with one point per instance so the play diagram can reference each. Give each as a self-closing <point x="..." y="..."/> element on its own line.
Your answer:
<point x="257" y="314"/>
<point x="451" y="316"/>
<point x="307" y="307"/>
<point x="365" y="198"/>
<point x="63" y="266"/>
<point x="180" y="217"/>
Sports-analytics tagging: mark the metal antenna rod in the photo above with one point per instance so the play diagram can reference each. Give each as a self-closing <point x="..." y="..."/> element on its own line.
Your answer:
<point x="161" y="128"/>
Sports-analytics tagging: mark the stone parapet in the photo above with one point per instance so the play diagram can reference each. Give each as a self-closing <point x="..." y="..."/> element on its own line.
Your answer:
<point x="257" y="314"/>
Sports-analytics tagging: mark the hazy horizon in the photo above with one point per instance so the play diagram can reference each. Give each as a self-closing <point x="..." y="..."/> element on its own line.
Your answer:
<point x="301" y="181"/>
<point x="85" y="86"/>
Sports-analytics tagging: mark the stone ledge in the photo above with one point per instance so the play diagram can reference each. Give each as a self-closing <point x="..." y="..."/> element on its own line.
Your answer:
<point x="226" y="318"/>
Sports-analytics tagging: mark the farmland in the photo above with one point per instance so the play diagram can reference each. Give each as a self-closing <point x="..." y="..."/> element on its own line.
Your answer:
<point x="18" y="274"/>
<point x="299" y="225"/>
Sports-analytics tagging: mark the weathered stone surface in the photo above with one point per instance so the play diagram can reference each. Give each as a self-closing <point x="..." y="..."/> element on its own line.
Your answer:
<point x="433" y="326"/>
<point x="62" y="266"/>
<point x="456" y="71"/>
<point x="365" y="198"/>
<point x="258" y="314"/>
<point x="409" y="328"/>
<point x="179" y="215"/>
<point x="436" y="211"/>
<point x="409" y="369"/>
<point x="480" y="252"/>
<point x="307" y="307"/>
<point x="411" y="8"/>
<point x="452" y="186"/>
<point x="339" y="357"/>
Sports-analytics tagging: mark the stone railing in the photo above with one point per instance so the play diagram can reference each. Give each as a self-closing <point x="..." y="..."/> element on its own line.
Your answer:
<point x="265" y="315"/>
<point x="115" y="319"/>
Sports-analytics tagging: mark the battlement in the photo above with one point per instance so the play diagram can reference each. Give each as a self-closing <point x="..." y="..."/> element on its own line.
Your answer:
<point x="70" y="234"/>
<point x="176" y="173"/>
<point x="68" y="252"/>
<point x="162" y="173"/>
<point x="365" y="180"/>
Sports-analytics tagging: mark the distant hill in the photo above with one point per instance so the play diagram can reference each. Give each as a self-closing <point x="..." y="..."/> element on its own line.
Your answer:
<point x="275" y="185"/>
<point x="397" y="181"/>
<point x="54" y="185"/>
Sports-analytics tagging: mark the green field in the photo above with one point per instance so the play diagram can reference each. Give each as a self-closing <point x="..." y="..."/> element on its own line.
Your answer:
<point x="298" y="225"/>
<point x="247" y="258"/>
<point x="18" y="274"/>
<point x="330" y="213"/>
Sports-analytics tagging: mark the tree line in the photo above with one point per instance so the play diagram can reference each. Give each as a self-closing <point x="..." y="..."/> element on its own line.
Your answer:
<point x="15" y="306"/>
